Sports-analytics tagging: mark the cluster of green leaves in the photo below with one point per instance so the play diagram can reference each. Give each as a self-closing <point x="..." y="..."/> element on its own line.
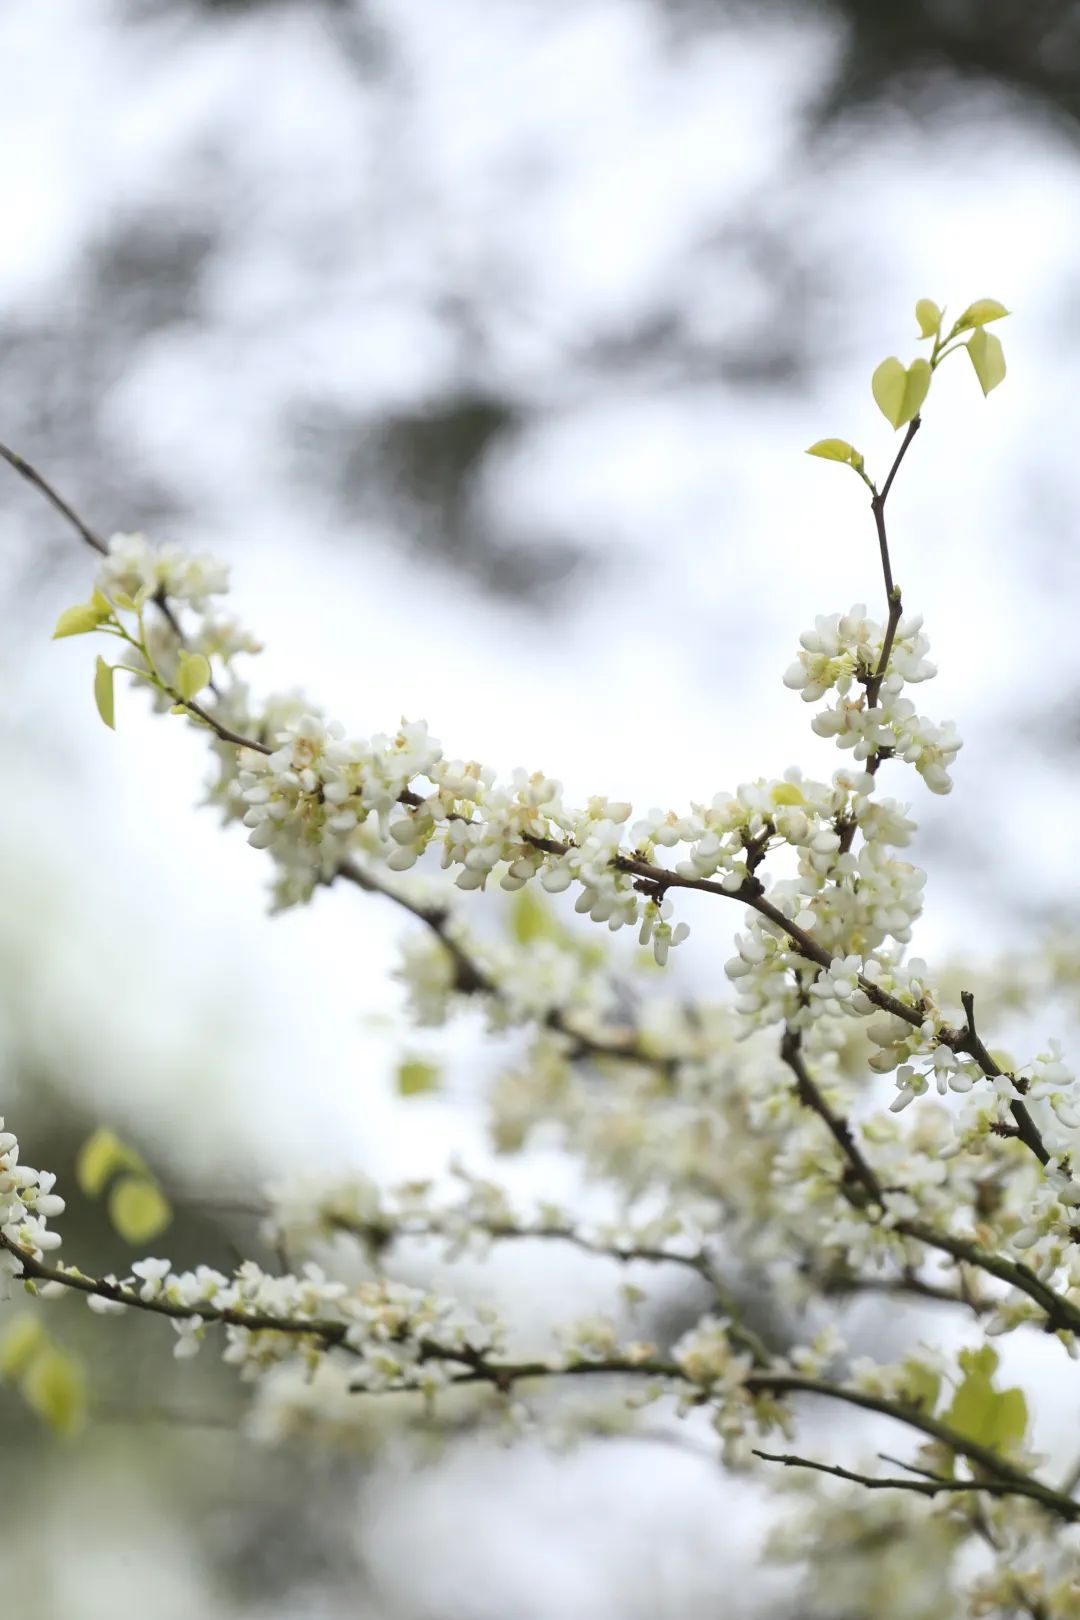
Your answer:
<point x="900" y="391"/>
<point x="102" y="613"/>
<point x="994" y="1418"/>
<point x="138" y="1209"/>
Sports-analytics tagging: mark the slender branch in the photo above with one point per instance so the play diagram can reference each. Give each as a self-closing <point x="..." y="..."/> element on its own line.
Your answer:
<point x="504" y="1375"/>
<point x="382" y="1233"/>
<point x="328" y="1333"/>
<point x="32" y="476"/>
<point x="810" y="1095"/>
<point x="795" y="1384"/>
<point x="1026" y="1128"/>
<point x="216" y="726"/>
<point x="472" y="978"/>
<point x="906" y="1285"/>
<point x="912" y="428"/>
<point x="895" y="606"/>
<point x="659" y="879"/>
<point x="480" y="1367"/>
<point x="1061" y="1314"/>
<point x="1052" y="1500"/>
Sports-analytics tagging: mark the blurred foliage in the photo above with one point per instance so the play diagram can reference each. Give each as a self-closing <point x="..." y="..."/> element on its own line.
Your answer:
<point x="924" y="54"/>
<point x="423" y="470"/>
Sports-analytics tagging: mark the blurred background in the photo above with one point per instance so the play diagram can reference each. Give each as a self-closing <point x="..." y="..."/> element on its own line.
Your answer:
<point x="483" y="339"/>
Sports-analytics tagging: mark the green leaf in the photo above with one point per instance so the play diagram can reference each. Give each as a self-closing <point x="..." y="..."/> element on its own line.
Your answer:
<point x="19" y="1345"/>
<point x="988" y="358"/>
<point x="531" y="918"/>
<point x="983" y="1361"/>
<point x="78" y="621"/>
<point x="832" y="450"/>
<point x="929" y="317"/>
<point x="192" y="675"/>
<point x="55" y="1388"/>
<point x="104" y="696"/>
<point x="993" y="1418"/>
<point x="921" y="1386"/>
<point x="899" y="392"/>
<point x="138" y="1209"/>
<point x="103" y="1156"/>
<point x="979" y="313"/>
<point x="416" y="1076"/>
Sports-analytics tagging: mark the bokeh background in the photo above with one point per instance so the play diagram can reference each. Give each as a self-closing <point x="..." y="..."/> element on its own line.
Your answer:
<point x="482" y="338"/>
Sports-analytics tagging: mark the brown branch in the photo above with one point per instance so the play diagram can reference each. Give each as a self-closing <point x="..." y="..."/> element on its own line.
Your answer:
<point x="381" y="1233"/>
<point x="32" y="476"/>
<point x="480" y="1367"/>
<point x="846" y="828"/>
<point x="1026" y="1128"/>
<point x="1052" y="1500"/>
<point x="906" y="1285"/>
<point x="660" y="879"/>
<point x="811" y="1096"/>
<point x="1061" y="1314"/>
<point x="472" y="978"/>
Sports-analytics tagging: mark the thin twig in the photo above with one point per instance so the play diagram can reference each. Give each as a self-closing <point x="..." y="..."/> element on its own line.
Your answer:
<point x="1061" y="1313"/>
<point x="42" y="485"/>
<point x="895" y="607"/>
<point x="1047" y="1498"/>
<point x="659" y="880"/>
<point x="810" y="1095"/>
<point x="471" y="978"/>
<point x="480" y="1367"/>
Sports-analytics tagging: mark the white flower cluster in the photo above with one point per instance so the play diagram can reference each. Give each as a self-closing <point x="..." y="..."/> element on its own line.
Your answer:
<point x="395" y="1336"/>
<point x="136" y="566"/>
<point x="319" y="797"/>
<point x="27" y="1204"/>
<point x="1036" y="1565"/>
<point x="316" y="788"/>
<point x="716" y="1370"/>
<point x="843" y="654"/>
<point x="702" y="1119"/>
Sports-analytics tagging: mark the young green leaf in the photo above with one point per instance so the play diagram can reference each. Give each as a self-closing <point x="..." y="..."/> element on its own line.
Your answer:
<point x="988" y="358"/>
<point x="55" y="1388"/>
<point x="929" y="317"/>
<point x="416" y="1076"/>
<point x="138" y="1209"/>
<point x="103" y="1156"/>
<point x="192" y="674"/>
<point x="531" y="918"/>
<point x="832" y="450"/>
<point x="78" y="621"/>
<point x="900" y="391"/>
<point x="979" y="1412"/>
<point x="979" y="313"/>
<point x="103" y="693"/>
<point x="19" y="1345"/>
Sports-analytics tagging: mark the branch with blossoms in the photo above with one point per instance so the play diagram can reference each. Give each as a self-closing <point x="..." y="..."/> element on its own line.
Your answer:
<point x="754" y="1130"/>
<point x="402" y="1339"/>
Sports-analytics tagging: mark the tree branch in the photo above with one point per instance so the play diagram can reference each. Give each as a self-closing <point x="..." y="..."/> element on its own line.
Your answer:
<point x="660" y="879"/>
<point x="32" y="476"/>
<point x="1050" y="1499"/>
<point x="1061" y="1314"/>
